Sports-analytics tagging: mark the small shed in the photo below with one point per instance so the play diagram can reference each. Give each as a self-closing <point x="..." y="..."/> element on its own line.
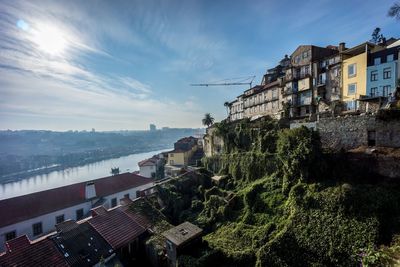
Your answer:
<point x="179" y="237"/>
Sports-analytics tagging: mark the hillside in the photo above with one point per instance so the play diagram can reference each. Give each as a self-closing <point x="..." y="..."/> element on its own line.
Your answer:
<point x="283" y="201"/>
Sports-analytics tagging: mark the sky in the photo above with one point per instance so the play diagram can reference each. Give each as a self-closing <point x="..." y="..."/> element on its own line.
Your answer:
<point x="113" y="65"/>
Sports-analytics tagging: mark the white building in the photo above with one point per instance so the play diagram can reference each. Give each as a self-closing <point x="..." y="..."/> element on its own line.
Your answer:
<point x="37" y="214"/>
<point x="148" y="167"/>
<point x="236" y="109"/>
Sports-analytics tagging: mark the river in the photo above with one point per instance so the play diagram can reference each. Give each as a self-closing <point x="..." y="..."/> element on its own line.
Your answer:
<point x="73" y="175"/>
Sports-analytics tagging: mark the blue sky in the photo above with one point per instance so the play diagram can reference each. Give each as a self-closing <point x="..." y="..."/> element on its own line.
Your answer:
<point x="115" y="65"/>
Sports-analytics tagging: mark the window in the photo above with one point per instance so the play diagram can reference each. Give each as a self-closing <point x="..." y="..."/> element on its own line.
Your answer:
<point x="389" y="58"/>
<point x="306" y="70"/>
<point x="297" y="59"/>
<point x="171" y="155"/>
<point x="352" y="70"/>
<point x="37" y="228"/>
<point x="306" y="54"/>
<point x="377" y="61"/>
<point x="59" y="219"/>
<point x="113" y="202"/>
<point x="374" y="91"/>
<point x="274" y="104"/>
<point x="274" y="94"/>
<point x="352" y="89"/>
<point x="386" y="90"/>
<point x="79" y="214"/>
<point x="387" y="73"/>
<point x="336" y="72"/>
<point x="11" y="235"/>
<point x="374" y="75"/>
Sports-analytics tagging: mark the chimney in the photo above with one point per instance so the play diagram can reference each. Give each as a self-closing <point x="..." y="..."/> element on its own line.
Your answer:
<point x="90" y="190"/>
<point x="342" y="47"/>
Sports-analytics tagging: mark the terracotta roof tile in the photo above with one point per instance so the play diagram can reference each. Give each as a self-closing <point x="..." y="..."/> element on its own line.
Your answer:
<point x="116" y="227"/>
<point x="22" y="252"/>
<point x="21" y="208"/>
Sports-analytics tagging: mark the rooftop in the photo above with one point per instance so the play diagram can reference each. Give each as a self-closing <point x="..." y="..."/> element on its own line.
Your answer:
<point x="23" y="252"/>
<point x="40" y="203"/>
<point x="80" y="244"/>
<point x="182" y="233"/>
<point x="116" y="227"/>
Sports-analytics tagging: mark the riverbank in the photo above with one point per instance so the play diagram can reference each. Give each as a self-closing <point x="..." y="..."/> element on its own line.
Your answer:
<point x="86" y="172"/>
<point x="15" y="177"/>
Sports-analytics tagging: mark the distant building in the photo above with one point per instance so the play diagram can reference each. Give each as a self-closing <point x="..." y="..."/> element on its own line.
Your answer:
<point x="181" y="156"/>
<point x="153" y="127"/>
<point x="37" y="214"/>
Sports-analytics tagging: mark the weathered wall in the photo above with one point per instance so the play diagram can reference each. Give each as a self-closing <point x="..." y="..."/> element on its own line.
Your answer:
<point x="352" y="131"/>
<point x="213" y="144"/>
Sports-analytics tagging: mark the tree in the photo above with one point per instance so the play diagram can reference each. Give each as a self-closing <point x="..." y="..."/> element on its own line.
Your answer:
<point x="377" y="36"/>
<point x="226" y="105"/>
<point x="394" y="11"/>
<point x="208" y="120"/>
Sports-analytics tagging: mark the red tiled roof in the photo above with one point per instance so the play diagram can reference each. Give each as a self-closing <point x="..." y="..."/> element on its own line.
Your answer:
<point x="21" y="208"/>
<point x="116" y="227"/>
<point x="22" y="252"/>
<point x="148" y="162"/>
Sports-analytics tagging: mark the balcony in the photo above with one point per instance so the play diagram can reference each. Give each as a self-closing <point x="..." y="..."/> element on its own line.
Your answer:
<point x="321" y="82"/>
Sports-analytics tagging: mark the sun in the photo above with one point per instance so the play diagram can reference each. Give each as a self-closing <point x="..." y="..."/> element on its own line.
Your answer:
<point x="49" y="39"/>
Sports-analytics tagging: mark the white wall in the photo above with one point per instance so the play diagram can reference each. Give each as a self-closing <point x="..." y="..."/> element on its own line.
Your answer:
<point x="48" y="222"/>
<point x="146" y="171"/>
<point x="120" y="195"/>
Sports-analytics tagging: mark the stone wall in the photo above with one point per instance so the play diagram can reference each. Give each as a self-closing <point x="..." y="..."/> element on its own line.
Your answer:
<point x="352" y="131"/>
<point x="213" y="144"/>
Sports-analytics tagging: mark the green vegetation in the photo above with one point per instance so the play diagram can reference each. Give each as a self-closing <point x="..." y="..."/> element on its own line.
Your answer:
<point x="285" y="202"/>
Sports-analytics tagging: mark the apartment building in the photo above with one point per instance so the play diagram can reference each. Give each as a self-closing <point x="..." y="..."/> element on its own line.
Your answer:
<point x="236" y="109"/>
<point x="299" y="78"/>
<point x="354" y="74"/>
<point x="327" y="84"/>
<point x="383" y="72"/>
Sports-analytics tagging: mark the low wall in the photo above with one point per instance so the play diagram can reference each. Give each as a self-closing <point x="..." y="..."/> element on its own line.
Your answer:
<point x="352" y="131"/>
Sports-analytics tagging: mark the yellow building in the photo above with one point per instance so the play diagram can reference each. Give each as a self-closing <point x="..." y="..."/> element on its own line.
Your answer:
<point x="354" y="74"/>
<point x="184" y="149"/>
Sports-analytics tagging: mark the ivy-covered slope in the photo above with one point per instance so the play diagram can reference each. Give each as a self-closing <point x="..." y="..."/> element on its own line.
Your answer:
<point x="284" y="202"/>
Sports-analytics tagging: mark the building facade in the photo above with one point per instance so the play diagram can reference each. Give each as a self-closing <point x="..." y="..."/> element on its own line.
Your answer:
<point x="299" y="79"/>
<point x="354" y="74"/>
<point x="383" y="72"/>
<point x="236" y="109"/>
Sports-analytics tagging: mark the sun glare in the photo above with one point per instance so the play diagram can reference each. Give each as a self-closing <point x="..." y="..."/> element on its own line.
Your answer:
<point x="49" y="39"/>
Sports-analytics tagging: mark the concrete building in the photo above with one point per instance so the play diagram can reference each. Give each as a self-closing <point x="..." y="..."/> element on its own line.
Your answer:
<point x="299" y="79"/>
<point x="354" y="74"/>
<point x="327" y="84"/>
<point x="37" y="214"/>
<point x="383" y="72"/>
<point x="178" y="238"/>
<point x="236" y="109"/>
<point x="150" y="168"/>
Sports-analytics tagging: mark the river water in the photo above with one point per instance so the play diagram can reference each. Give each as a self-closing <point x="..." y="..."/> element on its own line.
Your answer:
<point x="73" y="175"/>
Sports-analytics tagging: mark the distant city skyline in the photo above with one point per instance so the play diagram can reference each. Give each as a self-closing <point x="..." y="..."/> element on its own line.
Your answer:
<point x="125" y="64"/>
